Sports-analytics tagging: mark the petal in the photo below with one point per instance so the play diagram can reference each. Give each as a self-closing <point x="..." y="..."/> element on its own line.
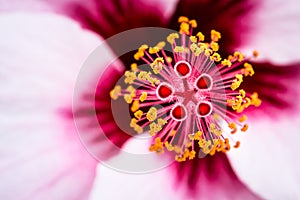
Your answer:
<point x="155" y="185"/>
<point x="268" y="159"/>
<point x="108" y="17"/>
<point x="211" y="177"/>
<point x="231" y="18"/>
<point x="275" y="32"/>
<point x="41" y="155"/>
<point x="276" y="86"/>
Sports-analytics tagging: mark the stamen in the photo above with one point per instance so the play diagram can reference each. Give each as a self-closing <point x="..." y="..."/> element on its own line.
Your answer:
<point x="189" y="100"/>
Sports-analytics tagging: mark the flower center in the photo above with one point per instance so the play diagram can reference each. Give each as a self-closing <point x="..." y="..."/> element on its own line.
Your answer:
<point x="188" y="98"/>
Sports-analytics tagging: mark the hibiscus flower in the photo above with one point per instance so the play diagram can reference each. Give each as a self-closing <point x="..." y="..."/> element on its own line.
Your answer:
<point x="41" y="55"/>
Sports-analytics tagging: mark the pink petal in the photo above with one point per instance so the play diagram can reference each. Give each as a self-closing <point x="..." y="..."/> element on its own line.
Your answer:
<point x="41" y="155"/>
<point x="277" y="88"/>
<point x="108" y="17"/>
<point x="230" y="17"/>
<point x="268" y="159"/>
<point x="105" y="17"/>
<point x="275" y="31"/>
<point x="211" y="177"/>
<point x="148" y="186"/>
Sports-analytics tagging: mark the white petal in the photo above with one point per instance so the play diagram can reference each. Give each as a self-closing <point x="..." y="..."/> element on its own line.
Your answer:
<point x="111" y="184"/>
<point x="268" y="159"/>
<point x="275" y="29"/>
<point x="41" y="155"/>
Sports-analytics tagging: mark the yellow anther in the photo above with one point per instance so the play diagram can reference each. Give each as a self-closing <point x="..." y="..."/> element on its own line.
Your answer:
<point x="214" y="46"/>
<point x="255" y="53"/>
<point x="128" y="98"/>
<point x="177" y="149"/>
<point x="144" y="75"/>
<point x="171" y="37"/>
<point x="226" y="62"/>
<point x="191" y="136"/>
<point x="237" y="82"/>
<point x="138" y="129"/>
<point x="255" y="100"/>
<point x="233" y="131"/>
<point x="169" y="59"/>
<point x="169" y="146"/>
<point x="220" y="145"/>
<point x="179" y="49"/>
<point x="243" y="93"/>
<point x="154" y="128"/>
<point x="192" y="154"/>
<point x="193" y="38"/>
<point x="138" y="55"/>
<point x="215" y="35"/>
<point x="193" y="47"/>
<point x="153" y="81"/>
<point x="183" y="19"/>
<point x="245" y="127"/>
<point x="237" y="144"/>
<point x="143" y="48"/>
<point x="130" y="77"/>
<point x="215" y="57"/>
<point x="133" y="122"/>
<point x="172" y="133"/>
<point x="201" y="143"/>
<point x="239" y="56"/>
<point x="153" y="50"/>
<point x="232" y="125"/>
<point x="161" y="121"/>
<point x="134" y="67"/>
<point x="200" y="36"/>
<point x="135" y="106"/>
<point x="248" y="69"/>
<point x="208" y="52"/>
<point x="180" y="158"/>
<point x="115" y="93"/>
<point x="131" y="90"/>
<point x="143" y="97"/>
<point x="151" y="114"/>
<point x="184" y="28"/>
<point x="242" y="118"/>
<point x="226" y="146"/>
<point x="161" y="45"/>
<point x="138" y="114"/>
<point x="193" y="23"/>
<point x="157" y="146"/>
<point x="157" y="65"/>
<point x="198" y="135"/>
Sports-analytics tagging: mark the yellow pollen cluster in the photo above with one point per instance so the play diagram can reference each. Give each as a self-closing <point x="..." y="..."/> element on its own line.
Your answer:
<point x="152" y="114"/>
<point x="135" y="126"/>
<point x="157" y="146"/>
<point x="141" y="52"/>
<point x="248" y="70"/>
<point x="115" y="93"/>
<point x="130" y="77"/>
<point x="157" y="65"/>
<point x="143" y="96"/>
<point x="237" y="82"/>
<point x="215" y="35"/>
<point x="171" y="38"/>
